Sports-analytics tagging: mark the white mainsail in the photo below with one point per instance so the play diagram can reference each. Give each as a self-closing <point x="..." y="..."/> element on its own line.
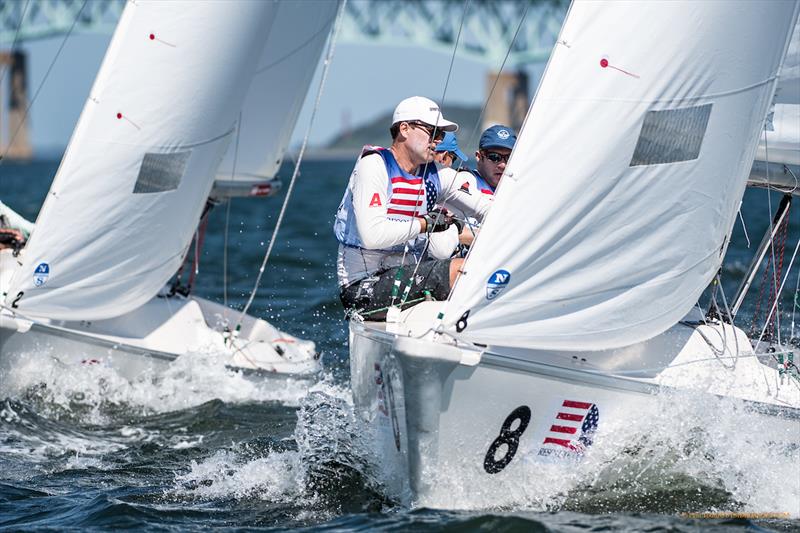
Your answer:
<point x="614" y="212"/>
<point x="279" y="88"/>
<point x="126" y="200"/>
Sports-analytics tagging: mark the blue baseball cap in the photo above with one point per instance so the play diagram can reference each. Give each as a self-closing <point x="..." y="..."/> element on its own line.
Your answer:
<point x="498" y="136"/>
<point x="450" y="144"/>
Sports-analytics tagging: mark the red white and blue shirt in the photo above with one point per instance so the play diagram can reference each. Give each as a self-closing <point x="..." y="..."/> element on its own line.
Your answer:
<point x="375" y="220"/>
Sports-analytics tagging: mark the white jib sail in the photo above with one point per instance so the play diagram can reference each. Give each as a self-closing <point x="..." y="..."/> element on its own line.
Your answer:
<point x="613" y="214"/>
<point x="279" y="87"/>
<point x="127" y="198"/>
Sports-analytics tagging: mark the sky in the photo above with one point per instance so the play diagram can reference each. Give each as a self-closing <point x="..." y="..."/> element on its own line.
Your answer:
<point x="364" y="82"/>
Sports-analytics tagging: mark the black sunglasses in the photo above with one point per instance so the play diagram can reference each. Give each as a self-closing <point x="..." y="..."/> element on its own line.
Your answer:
<point x="494" y="157"/>
<point x="429" y="130"/>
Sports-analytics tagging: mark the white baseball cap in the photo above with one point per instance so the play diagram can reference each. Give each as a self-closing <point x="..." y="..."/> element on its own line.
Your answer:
<point x="424" y="110"/>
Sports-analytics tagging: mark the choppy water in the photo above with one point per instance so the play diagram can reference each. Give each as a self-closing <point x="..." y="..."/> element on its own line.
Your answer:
<point x="203" y="447"/>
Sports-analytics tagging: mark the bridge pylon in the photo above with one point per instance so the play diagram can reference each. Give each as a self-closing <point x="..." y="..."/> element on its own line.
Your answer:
<point x="507" y="99"/>
<point x="14" y="140"/>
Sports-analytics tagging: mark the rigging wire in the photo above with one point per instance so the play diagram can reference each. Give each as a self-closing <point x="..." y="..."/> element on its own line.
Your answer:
<point x="480" y="116"/>
<point x="227" y="222"/>
<point x="744" y="226"/>
<point x="440" y="317"/>
<point x="422" y="188"/>
<point x="772" y="247"/>
<point x="326" y="67"/>
<point x="44" y="79"/>
<point x="794" y="308"/>
<point x="780" y="290"/>
<point x="476" y="128"/>
<point x="497" y="78"/>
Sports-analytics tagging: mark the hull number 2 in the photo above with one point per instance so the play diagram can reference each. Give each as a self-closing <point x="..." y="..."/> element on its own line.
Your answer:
<point x="508" y="437"/>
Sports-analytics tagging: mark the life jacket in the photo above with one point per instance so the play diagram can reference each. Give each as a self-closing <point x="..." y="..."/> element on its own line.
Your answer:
<point x="483" y="185"/>
<point x="408" y="196"/>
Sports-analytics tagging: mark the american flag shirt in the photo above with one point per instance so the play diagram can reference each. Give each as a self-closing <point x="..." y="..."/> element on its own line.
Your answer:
<point x="381" y="200"/>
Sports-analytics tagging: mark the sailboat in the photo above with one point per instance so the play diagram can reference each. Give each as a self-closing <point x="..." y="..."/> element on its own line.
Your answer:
<point x="577" y="304"/>
<point x="144" y="165"/>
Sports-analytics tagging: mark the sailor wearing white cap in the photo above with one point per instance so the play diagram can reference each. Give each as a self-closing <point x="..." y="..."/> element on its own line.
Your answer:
<point x="389" y="204"/>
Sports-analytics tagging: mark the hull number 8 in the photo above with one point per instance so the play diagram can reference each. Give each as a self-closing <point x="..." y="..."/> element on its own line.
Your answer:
<point x="508" y="437"/>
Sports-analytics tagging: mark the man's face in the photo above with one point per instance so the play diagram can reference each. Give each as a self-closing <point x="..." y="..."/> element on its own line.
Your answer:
<point x="419" y="142"/>
<point x="444" y="158"/>
<point x="492" y="163"/>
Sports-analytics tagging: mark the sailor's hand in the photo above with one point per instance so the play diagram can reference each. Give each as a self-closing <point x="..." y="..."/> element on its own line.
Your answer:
<point x="437" y="220"/>
<point x="8" y="234"/>
<point x="11" y="238"/>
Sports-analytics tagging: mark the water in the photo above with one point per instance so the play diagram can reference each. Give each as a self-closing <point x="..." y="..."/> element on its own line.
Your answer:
<point x="203" y="447"/>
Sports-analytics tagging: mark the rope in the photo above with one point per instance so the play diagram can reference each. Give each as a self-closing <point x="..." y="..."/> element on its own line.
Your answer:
<point x="775" y="322"/>
<point x="769" y="206"/>
<point x="795" y="305"/>
<point x="225" y="256"/>
<point x="326" y="66"/>
<point x="200" y="236"/>
<point x="367" y="313"/>
<point x="770" y="282"/>
<point x="772" y="310"/>
<point x="227" y="221"/>
<point x="744" y="227"/>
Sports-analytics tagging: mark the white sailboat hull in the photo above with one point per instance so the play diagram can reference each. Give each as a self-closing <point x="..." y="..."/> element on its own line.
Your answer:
<point x="149" y="338"/>
<point x="454" y="427"/>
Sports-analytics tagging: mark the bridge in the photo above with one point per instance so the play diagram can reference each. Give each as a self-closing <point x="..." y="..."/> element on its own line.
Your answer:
<point x="494" y="32"/>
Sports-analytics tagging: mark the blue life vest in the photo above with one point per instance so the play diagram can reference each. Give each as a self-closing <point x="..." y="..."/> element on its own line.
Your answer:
<point x="483" y="185"/>
<point x="345" y="225"/>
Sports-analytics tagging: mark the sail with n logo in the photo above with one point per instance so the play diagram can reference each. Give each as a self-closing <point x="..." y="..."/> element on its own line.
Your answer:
<point x="622" y="191"/>
<point x="100" y="277"/>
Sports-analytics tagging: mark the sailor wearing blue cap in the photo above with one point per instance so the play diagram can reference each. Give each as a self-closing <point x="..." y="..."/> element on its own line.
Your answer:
<point x="493" y="152"/>
<point x="448" y="151"/>
<point x="494" y="148"/>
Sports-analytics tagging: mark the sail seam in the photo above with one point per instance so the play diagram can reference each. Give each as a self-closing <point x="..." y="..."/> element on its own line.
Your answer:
<point x="668" y="100"/>
<point x="174" y="147"/>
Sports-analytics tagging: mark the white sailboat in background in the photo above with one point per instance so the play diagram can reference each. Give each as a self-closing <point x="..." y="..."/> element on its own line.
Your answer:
<point x="136" y="177"/>
<point x="564" y="326"/>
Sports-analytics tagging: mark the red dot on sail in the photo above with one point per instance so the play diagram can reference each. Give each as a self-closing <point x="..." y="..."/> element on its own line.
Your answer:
<point x="119" y="115"/>
<point x="604" y="62"/>
<point x="152" y="36"/>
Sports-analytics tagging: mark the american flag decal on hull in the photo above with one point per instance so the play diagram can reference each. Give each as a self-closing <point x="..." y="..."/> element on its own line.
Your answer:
<point x="572" y="429"/>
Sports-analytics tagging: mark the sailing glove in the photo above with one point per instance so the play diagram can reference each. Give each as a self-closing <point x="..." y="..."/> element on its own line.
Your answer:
<point x="438" y="220"/>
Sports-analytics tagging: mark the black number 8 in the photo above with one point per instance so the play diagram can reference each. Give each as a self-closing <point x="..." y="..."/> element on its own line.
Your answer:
<point x="509" y="438"/>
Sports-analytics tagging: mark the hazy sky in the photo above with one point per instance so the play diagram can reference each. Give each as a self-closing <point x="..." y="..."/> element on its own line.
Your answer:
<point x="364" y="82"/>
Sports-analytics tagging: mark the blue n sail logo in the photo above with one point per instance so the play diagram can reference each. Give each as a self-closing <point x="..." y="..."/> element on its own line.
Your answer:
<point x="40" y="274"/>
<point x="497" y="282"/>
